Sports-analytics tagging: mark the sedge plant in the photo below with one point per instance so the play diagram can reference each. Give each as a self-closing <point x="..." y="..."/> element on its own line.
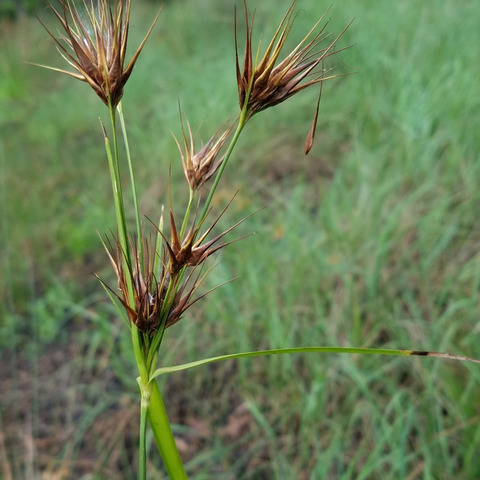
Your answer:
<point x="159" y="274"/>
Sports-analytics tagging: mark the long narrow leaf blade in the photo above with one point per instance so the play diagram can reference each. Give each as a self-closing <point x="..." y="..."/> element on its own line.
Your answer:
<point x="281" y="351"/>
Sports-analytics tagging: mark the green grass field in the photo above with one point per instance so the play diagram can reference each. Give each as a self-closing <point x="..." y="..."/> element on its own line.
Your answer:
<point x="372" y="240"/>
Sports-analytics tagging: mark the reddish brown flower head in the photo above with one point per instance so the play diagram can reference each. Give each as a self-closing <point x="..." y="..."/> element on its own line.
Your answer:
<point x="148" y="290"/>
<point x="95" y="44"/>
<point x="160" y="295"/>
<point x="200" y="166"/>
<point x="159" y="299"/>
<point x="270" y="82"/>
<point x="193" y="249"/>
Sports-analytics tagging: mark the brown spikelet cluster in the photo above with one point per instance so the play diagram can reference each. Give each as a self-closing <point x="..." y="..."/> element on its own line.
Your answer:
<point x="199" y="166"/>
<point x="192" y="250"/>
<point x="162" y="293"/>
<point x="270" y="81"/>
<point x="159" y="299"/>
<point x="95" y="44"/>
<point x="148" y="291"/>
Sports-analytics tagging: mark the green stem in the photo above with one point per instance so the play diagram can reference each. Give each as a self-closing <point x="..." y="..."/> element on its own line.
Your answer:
<point x="157" y="263"/>
<point x="114" y="167"/>
<point x="116" y="188"/>
<point x="162" y="431"/>
<point x="145" y="388"/>
<point x="136" y="335"/>
<point x="187" y="212"/>
<point x="137" y="350"/>
<point x="241" y="123"/>
<point x="132" y="181"/>
<point x="145" y="392"/>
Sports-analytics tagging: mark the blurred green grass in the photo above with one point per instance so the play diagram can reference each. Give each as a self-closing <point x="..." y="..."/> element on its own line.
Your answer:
<point x="372" y="240"/>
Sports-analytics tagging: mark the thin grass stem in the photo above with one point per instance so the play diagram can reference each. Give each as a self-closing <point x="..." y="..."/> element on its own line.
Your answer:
<point x="241" y="123"/>
<point x="191" y="199"/>
<point x="116" y="188"/>
<point x="114" y="168"/>
<point x="132" y="181"/>
<point x="136" y="335"/>
<point x="145" y="392"/>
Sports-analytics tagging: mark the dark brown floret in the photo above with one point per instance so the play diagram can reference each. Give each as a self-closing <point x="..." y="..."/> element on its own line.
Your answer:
<point x="95" y="45"/>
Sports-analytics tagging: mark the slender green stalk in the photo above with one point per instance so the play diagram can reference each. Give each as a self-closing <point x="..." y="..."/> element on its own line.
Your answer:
<point x="241" y="123"/>
<point x="122" y="234"/>
<point x="114" y="167"/>
<point x="145" y="388"/>
<point x="158" y="245"/>
<point x="187" y="212"/>
<point x="116" y="188"/>
<point x="136" y="335"/>
<point x="153" y="350"/>
<point x="132" y="181"/>
<point x="137" y="350"/>
<point x="162" y="431"/>
<point x="145" y="394"/>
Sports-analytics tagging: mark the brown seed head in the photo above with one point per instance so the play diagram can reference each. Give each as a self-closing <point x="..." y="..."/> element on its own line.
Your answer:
<point x="161" y="298"/>
<point x="94" y="43"/>
<point x="162" y="293"/>
<point x="158" y="298"/>
<point x="268" y="82"/>
<point x="200" y="166"/>
<point x="148" y="291"/>
<point x="193" y="249"/>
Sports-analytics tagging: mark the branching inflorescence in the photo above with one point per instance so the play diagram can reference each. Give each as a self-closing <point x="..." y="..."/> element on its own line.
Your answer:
<point x="158" y="276"/>
<point x="94" y="44"/>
